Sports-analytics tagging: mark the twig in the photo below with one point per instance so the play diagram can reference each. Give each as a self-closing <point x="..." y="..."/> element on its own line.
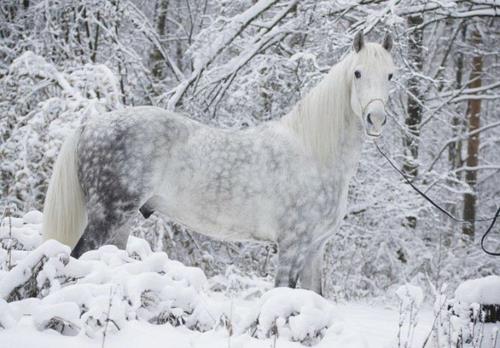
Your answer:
<point x="107" y="318"/>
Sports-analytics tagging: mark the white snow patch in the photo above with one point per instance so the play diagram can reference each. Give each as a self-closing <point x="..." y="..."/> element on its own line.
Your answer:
<point x="65" y="311"/>
<point x="482" y="290"/>
<point x="410" y="295"/>
<point x="54" y="252"/>
<point x="295" y="314"/>
<point x="138" y="248"/>
<point x="33" y="217"/>
<point x="7" y="317"/>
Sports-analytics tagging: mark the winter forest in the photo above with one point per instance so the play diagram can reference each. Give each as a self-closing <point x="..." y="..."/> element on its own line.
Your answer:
<point x="236" y="64"/>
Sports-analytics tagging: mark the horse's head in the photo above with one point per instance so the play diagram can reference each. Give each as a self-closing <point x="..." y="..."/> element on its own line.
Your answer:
<point x="371" y="71"/>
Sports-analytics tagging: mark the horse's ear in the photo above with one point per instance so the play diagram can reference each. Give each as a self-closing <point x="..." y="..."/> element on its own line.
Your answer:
<point x="387" y="43"/>
<point x="359" y="41"/>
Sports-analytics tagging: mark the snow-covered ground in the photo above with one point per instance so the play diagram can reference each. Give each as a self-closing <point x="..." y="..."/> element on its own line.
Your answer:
<point x="361" y="325"/>
<point x="137" y="297"/>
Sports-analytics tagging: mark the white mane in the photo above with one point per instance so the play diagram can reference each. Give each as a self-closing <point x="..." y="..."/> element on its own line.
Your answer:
<point x="321" y="117"/>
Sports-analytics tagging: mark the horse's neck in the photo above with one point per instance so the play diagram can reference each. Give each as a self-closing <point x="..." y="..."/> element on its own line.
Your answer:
<point x="326" y="125"/>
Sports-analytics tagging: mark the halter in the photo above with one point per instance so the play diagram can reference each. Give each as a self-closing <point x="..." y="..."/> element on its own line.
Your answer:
<point x="363" y="109"/>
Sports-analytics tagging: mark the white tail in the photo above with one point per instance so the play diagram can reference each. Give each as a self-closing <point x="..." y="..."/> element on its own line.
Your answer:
<point x="64" y="213"/>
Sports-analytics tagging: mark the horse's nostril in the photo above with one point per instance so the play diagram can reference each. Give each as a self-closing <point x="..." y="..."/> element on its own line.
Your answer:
<point x="369" y="119"/>
<point x="385" y="121"/>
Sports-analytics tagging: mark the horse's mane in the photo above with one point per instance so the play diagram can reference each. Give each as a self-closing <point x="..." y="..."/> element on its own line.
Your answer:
<point x="325" y="112"/>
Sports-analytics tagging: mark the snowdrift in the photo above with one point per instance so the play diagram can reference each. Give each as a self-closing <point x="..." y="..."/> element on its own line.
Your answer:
<point x="105" y="290"/>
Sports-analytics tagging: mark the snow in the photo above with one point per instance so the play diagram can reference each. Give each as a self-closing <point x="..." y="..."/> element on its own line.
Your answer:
<point x="138" y="248"/>
<point x="7" y="317"/>
<point x="137" y="297"/>
<point x="482" y="290"/>
<point x="68" y="311"/>
<point x="57" y="255"/>
<point x="296" y="314"/>
<point x="410" y="295"/>
<point x="365" y="326"/>
<point x="33" y="217"/>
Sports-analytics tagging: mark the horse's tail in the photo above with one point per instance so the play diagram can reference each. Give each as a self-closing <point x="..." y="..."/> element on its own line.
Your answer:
<point x="64" y="214"/>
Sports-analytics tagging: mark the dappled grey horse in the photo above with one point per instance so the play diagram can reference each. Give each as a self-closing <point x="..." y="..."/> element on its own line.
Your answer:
<point x="283" y="181"/>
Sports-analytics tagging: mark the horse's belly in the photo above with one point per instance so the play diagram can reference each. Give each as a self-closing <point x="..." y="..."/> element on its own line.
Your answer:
<point x="232" y="221"/>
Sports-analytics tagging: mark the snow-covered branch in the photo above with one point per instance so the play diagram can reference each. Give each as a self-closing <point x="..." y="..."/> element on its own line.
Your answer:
<point x="210" y="51"/>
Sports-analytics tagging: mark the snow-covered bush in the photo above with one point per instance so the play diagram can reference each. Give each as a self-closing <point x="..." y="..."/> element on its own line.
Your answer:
<point x="410" y="300"/>
<point x="101" y="292"/>
<point x="7" y="316"/>
<point x="37" y="274"/>
<point x="239" y="63"/>
<point x="61" y="317"/>
<point x="294" y="314"/>
<point x="484" y="291"/>
<point x="103" y="289"/>
<point x="470" y="318"/>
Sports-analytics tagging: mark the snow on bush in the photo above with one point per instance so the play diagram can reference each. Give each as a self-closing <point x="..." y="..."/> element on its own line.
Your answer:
<point x="7" y="317"/>
<point x="295" y="314"/>
<point x="103" y="289"/>
<point x="410" y="301"/>
<point x="410" y="296"/>
<point x="483" y="290"/>
<point x="471" y="318"/>
<point x="106" y="288"/>
<point x="35" y="275"/>
<point x="18" y="235"/>
<point x="61" y="317"/>
<point x="33" y="217"/>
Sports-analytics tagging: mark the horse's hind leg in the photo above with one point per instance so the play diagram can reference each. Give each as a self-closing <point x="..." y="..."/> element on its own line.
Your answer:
<point x="105" y="226"/>
<point x="111" y="204"/>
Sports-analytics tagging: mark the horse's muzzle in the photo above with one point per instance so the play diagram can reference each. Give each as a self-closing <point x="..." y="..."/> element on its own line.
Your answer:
<point x="375" y="121"/>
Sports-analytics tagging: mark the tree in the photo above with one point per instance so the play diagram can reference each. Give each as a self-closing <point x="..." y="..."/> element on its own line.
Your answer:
<point x="414" y="99"/>
<point x="474" y="122"/>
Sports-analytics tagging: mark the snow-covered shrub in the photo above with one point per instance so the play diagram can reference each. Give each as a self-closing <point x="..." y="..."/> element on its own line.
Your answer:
<point x="37" y="274"/>
<point x="61" y="317"/>
<point x="476" y="302"/>
<point x="7" y="317"/>
<point x="294" y="314"/>
<point x="410" y="300"/>
<point x="467" y="320"/>
<point x="105" y="288"/>
<point x="484" y="291"/>
<point x="18" y="236"/>
<point x="106" y="314"/>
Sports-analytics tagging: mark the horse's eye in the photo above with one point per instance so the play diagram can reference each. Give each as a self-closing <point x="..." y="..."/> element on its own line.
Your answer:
<point x="357" y="74"/>
<point x="390" y="77"/>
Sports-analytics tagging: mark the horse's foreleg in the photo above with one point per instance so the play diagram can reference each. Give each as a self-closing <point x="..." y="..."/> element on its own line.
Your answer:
<point x="290" y="259"/>
<point x="311" y="276"/>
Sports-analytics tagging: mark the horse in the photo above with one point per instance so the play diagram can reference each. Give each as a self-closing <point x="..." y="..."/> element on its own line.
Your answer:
<point x="284" y="181"/>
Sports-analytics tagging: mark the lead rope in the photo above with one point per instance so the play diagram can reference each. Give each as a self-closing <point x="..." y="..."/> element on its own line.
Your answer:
<point x="488" y="230"/>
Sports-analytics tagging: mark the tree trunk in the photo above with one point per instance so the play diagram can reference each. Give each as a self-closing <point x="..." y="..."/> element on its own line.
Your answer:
<point x="414" y="108"/>
<point x="457" y="122"/>
<point x="156" y="56"/>
<point x="473" y="117"/>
